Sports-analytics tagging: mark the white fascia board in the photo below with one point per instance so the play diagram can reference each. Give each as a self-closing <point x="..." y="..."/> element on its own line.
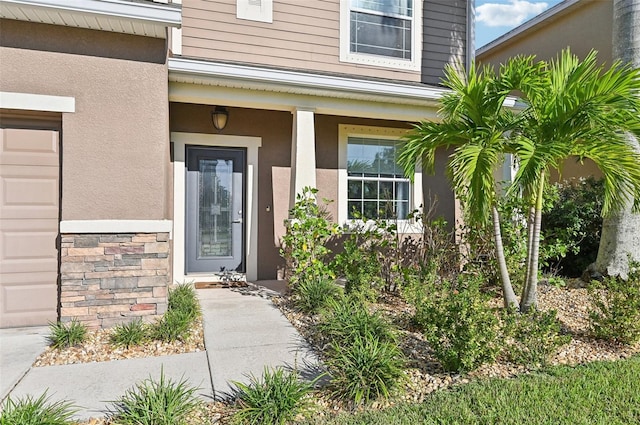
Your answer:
<point x="37" y="102"/>
<point x="548" y="14"/>
<point x="304" y="80"/>
<point x="170" y="16"/>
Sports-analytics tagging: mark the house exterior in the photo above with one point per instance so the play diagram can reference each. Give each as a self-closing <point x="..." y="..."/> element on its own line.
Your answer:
<point x="115" y="181"/>
<point x="582" y="26"/>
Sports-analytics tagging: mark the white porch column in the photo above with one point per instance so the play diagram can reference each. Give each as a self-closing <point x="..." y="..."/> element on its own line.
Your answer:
<point x="303" y="153"/>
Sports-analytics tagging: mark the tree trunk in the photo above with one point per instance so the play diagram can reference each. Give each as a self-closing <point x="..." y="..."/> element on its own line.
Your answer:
<point x="508" y="295"/>
<point x="530" y="292"/>
<point x="621" y="232"/>
<point x="531" y="220"/>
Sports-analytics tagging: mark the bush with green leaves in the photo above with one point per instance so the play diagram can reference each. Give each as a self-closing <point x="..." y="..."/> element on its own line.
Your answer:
<point x="311" y="296"/>
<point x="304" y="243"/>
<point x="128" y="334"/>
<point x="461" y="328"/>
<point x="64" y="335"/>
<point x="365" y="368"/>
<point x="156" y="402"/>
<point x="173" y="326"/>
<point x="277" y="398"/>
<point x="615" y="313"/>
<point x="535" y="336"/>
<point x="183" y="298"/>
<point x="37" y="411"/>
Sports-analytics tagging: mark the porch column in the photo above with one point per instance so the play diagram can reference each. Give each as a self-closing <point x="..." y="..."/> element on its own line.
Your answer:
<point x="303" y="153"/>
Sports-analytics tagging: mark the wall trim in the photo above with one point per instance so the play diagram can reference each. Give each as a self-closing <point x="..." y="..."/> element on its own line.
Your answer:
<point x="37" y="102"/>
<point x="116" y="226"/>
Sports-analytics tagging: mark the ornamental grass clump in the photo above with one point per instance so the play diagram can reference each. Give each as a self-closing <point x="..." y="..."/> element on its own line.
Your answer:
<point x="129" y="334"/>
<point x="311" y="296"/>
<point x="278" y="397"/>
<point x="64" y="335"/>
<point x="182" y="312"/>
<point x="37" y="411"/>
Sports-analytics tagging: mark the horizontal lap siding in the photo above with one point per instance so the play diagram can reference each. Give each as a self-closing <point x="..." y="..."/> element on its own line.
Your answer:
<point x="444" y="37"/>
<point x="304" y="35"/>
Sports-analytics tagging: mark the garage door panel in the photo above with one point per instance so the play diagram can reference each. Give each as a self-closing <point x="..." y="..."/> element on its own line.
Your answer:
<point x="20" y="147"/>
<point x="29" y="209"/>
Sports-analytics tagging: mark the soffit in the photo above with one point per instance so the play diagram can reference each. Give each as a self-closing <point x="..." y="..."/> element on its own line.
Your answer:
<point x="143" y="18"/>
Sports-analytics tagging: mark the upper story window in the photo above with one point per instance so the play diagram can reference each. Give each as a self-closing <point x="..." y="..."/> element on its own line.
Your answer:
<point x="381" y="32"/>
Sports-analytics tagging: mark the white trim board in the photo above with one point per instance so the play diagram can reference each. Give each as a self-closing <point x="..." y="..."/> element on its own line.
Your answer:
<point x="116" y="226"/>
<point x="180" y="141"/>
<point x="37" y="102"/>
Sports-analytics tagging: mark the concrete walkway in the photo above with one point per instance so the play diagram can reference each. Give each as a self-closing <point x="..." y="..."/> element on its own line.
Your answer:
<point x="244" y="333"/>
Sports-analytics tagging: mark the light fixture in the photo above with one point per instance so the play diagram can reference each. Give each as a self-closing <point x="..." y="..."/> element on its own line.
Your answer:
<point x="219" y="117"/>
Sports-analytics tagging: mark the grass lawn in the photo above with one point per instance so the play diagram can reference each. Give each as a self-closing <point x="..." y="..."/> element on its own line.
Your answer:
<point x="597" y="393"/>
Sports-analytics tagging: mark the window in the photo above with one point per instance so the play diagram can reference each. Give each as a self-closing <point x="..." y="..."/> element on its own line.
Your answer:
<point x="381" y="32"/>
<point x="372" y="184"/>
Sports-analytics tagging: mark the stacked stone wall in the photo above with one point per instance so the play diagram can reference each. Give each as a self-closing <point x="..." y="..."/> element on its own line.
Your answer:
<point x="107" y="279"/>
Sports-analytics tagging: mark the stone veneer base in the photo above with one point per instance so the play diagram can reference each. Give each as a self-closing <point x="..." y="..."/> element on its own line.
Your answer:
<point x="107" y="279"/>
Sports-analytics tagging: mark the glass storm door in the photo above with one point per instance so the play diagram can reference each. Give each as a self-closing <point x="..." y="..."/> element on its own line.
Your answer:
<point x="215" y="210"/>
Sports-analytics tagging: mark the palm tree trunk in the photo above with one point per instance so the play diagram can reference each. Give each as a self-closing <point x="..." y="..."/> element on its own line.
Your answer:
<point x="508" y="295"/>
<point x="621" y="232"/>
<point x="530" y="292"/>
<point x="530" y="224"/>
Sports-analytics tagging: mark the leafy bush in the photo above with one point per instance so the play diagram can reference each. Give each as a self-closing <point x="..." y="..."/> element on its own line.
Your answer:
<point x="279" y="397"/>
<point x="536" y="336"/>
<point x="460" y="327"/>
<point x="151" y="402"/>
<point x="349" y="318"/>
<point x="572" y="226"/>
<point x="30" y="411"/>
<point x="184" y="298"/>
<point x="365" y="368"/>
<point x="63" y="335"/>
<point x="616" y="308"/>
<point x="313" y="295"/>
<point x="128" y="334"/>
<point x="174" y="325"/>
<point x="303" y="245"/>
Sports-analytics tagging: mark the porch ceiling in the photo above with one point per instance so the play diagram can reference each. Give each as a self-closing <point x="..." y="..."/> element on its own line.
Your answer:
<point x="140" y="18"/>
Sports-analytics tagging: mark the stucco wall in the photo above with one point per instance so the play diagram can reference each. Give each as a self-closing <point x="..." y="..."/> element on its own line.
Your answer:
<point x="115" y="147"/>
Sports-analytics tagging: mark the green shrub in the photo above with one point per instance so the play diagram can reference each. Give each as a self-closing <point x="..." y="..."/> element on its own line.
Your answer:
<point x="364" y="368"/>
<point x="174" y="325"/>
<point x="615" y="313"/>
<point x="349" y="318"/>
<point x="128" y="334"/>
<point x="151" y="402"/>
<point x="313" y="295"/>
<point x="358" y="263"/>
<point x="535" y="336"/>
<point x="460" y="327"/>
<point x="63" y="335"/>
<point x="278" y="398"/>
<point x="183" y="298"/>
<point x="30" y="411"/>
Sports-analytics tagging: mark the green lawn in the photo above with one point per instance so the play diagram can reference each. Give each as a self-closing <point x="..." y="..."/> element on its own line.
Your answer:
<point x="598" y="393"/>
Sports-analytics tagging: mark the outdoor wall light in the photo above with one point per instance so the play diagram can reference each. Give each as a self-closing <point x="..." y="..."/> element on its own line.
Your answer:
<point x="219" y="117"/>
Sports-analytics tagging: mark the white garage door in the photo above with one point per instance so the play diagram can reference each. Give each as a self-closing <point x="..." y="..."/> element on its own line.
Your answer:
<point x="29" y="185"/>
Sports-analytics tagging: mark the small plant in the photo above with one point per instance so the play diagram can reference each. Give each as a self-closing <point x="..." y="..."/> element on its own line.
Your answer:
<point x="173" y="326"/>
<point x="151" y="402"/>
<point x="278" y="398"/>
<point x="39" y="411"/>
<point x="313" y="295"/>
<point x="128" y="334"/>
<point x="63" y="335"/>
<point x="616" y="308"/>
<point x="459" y="325"/>
<point x="183" y="298"/>
<point x="365" y="368"/>
<point x="536" y="336"/>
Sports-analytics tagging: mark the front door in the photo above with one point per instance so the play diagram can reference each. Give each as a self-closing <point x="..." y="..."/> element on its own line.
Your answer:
<point x="215" y="210"/>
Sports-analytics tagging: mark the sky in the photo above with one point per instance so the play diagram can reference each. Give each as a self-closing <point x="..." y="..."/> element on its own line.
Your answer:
<point x="496" y="17"/>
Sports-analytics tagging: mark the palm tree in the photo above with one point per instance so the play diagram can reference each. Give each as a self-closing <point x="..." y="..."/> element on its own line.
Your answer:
<point x="571" y="108"/>
<point x="621" y="231"/>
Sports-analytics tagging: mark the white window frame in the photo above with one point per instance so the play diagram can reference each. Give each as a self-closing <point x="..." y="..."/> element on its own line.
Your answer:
<point x="416" y="195"/>
<point x="255" y="10"/>
<point x="346" y="55"/>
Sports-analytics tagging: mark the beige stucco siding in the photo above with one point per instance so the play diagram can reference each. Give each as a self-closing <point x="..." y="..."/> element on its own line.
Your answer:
<point x="115" y="146"/>
<point x="582" y="28"/>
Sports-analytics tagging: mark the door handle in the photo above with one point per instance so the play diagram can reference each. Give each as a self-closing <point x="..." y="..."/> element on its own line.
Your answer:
<point x="237" y="221"/>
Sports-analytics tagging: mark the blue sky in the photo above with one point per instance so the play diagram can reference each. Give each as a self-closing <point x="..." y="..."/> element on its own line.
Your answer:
<point x="496" y="17"/>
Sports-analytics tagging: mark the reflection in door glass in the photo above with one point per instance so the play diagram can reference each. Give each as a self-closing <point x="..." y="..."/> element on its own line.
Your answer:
<point x="214" y="208"/>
